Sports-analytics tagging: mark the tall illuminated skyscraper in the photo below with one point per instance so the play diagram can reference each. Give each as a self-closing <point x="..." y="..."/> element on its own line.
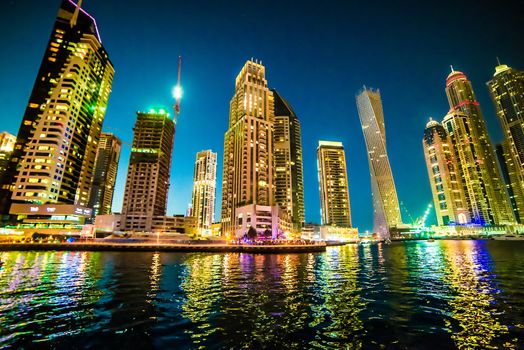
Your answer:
<point x="386" y="210"/>
<point x="148" y="174"/>
<point x="53" y="159"/>
<point x="106" y="166"/>
<point x="444" y="177"/>
<point x="248" y="146"/>
<point x="333" y="183"/>
<point x="486" y="196"/>
<point x="289" y="184"/>
<point x="507" y="92"/>
<point x="7" y="144"/>
<point x="204" y="190"/>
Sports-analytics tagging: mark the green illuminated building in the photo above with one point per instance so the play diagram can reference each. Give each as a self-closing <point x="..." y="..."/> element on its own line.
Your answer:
<point x="147" y="181"/>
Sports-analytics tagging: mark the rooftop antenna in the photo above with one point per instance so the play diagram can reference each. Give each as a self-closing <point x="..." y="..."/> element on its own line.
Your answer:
<point x="498" y="61"/>
<point x="452" y="70"/>
<point x="177" y="91"/>
<point x="75" y="14"/>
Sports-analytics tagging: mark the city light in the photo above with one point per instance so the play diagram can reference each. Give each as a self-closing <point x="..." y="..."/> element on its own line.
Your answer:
<point x="177" y="92"/>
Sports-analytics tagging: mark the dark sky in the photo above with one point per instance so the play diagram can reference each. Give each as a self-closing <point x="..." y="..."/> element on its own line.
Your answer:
<point x="317" y="54"/>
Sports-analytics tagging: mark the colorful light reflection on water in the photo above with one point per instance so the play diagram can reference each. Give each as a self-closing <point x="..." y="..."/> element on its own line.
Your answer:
<point x="444" y="294"/>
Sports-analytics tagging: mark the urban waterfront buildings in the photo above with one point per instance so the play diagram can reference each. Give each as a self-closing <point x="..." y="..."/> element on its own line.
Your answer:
<point x="248" y="146"/>
<point x="333" y="182"/>
<point x="204" y="191"/>
<point x="147" y="183"/>
<point x="51" y="169"/>
<point x="287" y="152"/>
<point x="7" y="144"/>
<point x="443" y="172"/>
<point x="512" y="179"/>
<point x="486" y="198"/>
<point x="106" y="166"/>
<point x="386" y="210"/>
<point x="507" y="92"/>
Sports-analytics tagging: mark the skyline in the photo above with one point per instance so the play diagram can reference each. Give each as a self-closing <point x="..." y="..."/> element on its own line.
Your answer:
<point x="303" y="99"/>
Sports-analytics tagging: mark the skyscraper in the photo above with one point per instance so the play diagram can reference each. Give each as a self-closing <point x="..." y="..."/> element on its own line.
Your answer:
<point x="443" y="172"/>
<point x="248" y="145"/>
<point x="7" y="144"/>
<point x="386" y="210"/>
<point x="53" y="159"/>
<point x="204" y="190"/>
<point x="333" y="183"/>
<point x="287" y="152"/>
<point x="512" y="179"/>
<point x="487" y="199"/>
<point x="147" y="182"/>
<point x="106" y="166"/>
<point x="507" y="92"/>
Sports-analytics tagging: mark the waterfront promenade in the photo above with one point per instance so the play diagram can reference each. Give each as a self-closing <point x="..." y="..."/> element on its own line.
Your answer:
<point x="191" y="246"/>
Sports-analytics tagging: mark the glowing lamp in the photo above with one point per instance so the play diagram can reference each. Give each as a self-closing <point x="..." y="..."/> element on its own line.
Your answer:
<point x="177" y="92"/>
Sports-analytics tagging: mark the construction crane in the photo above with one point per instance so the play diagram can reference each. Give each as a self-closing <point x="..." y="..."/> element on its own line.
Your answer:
<point x="177" y="90"/>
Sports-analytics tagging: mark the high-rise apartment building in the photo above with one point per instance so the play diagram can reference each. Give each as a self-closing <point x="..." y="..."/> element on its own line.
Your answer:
<point x="106" y="166"/>
<point x="287" y="153"/>
<point x="204" y="191"/>
<point x="386" y="210"/>
<point x="53" y="159"/>
<point x="333" y="183"/>
<point x="248" y="146"/>
<point x="512" y="179"/>
<point x="507" y="92"/>
<point x="148" y="174"/>
<point x="444" y="177"/>
<point x="486" y="196"/>
<point x="7" y="144"/>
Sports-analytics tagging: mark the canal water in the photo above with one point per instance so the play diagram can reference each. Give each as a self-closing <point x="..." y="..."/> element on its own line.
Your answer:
<point x="415" y="295"/>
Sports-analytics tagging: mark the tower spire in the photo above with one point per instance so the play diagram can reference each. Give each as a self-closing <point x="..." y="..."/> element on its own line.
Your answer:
<point x="451" y="66"/>
<point x="498" y="61"/>
<point x="75" y="14"/>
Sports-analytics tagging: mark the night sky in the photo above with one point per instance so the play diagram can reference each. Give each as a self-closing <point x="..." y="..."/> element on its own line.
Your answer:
<point x="317" y="55"/>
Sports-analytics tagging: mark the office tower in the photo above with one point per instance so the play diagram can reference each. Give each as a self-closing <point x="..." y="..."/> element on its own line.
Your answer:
<point x="443" y="172"/>
<point x="204" y="190"/>
<point x="7" y="144"/>
<point x="386" y="210"/>
<point x="487" y="199"/>
<point x="333" y="183"/>
<point x="248" y="145"/>
<point x="287" y="153"/>
<point x="507" y="92"/>
<point x="106" y="166"/>
<point x="147" y="182"/>
<point x="512" y="179"/>
<point x="53" y="159"/>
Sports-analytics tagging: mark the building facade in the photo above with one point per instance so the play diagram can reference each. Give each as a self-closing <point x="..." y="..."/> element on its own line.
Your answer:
<point x="333" y="183"/>
<point x="53" y="159"/>
<point x="106" y="167"/>
<point x="148" y="174"/>
<point x="507" y="93"/>
<point x="443" y="172"/>
<point x="7" y="145"/>
<point x="512" y="178"/>
<point x="204" y="191"/>
<point x="386" y="209"/>
<point x="287" y="152"/>
<point x="248" y="146"/>
<point x="270" y="221"/>
<point x="486" y="196"/>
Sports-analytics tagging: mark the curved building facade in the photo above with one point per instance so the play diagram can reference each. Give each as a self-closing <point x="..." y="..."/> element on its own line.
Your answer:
<point x="386" y="210"/>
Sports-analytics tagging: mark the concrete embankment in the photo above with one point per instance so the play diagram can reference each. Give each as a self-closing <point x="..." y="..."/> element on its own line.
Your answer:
<point x="122" y="247"/>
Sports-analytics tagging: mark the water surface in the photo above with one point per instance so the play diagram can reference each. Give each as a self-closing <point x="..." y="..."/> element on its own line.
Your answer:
<point x="417" y="295"/>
